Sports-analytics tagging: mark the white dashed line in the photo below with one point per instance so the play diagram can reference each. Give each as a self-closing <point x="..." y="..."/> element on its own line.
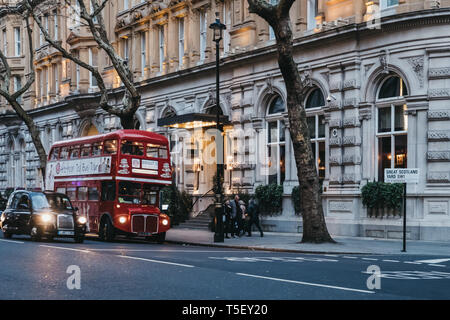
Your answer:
<point x="391" y="261"/>
<point x="305" y="283"/>
<point x="64" y="248"/>
<point x="157" y="261"/>
<point x="346" y="257"/>
<point x="437" y="265"/>
<point x="410" y="262"/>
<point x="12" y="241"/>
<point x="369" y="259"/>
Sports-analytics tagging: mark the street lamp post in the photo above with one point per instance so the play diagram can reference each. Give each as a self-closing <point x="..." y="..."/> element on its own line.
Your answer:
<point x="218" y="28"/>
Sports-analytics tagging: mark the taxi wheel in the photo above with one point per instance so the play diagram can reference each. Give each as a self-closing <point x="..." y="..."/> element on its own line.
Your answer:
<point x="35" y="234"/>
<point x="106" y="231"/>
<point x="79" y="238"/>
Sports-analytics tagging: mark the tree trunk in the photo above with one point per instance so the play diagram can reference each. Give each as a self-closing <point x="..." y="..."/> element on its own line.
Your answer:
<point x="314" y="226"/>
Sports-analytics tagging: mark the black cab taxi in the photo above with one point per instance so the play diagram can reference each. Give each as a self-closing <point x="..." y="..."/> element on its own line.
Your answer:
<point x="42" y="214"/>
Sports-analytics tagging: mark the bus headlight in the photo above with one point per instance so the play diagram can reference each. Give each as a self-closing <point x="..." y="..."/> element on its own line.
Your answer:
<point x="122" y="220"/>
<point x="82" y="220"/>
<point x="165" y="222"/>
<point x="46" y="217"/>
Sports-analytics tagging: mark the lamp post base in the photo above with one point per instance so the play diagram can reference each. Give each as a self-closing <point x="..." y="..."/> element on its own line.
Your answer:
<point x="218" y="221"/>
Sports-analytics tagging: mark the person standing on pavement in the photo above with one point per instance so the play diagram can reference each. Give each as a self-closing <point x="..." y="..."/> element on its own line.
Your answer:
<point x="236" y="216"/>
<point x="227" y="213"/>
<point x="243" y="225"/>
<point x="253" y="212"/>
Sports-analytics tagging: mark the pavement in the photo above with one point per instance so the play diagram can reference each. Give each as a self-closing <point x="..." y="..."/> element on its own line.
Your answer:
<point x="291" y="242"/>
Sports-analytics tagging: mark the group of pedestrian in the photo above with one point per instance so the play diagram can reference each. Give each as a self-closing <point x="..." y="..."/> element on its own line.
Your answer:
<point x="239" y="219"/>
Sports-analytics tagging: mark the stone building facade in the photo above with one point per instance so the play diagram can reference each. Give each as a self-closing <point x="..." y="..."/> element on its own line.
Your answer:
<point x="378" y="97"/>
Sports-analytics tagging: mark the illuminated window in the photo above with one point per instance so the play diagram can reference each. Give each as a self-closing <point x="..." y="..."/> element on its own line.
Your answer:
<point x="392" y="126"/>
<point x="132" y="148"/>
<point x="110" y="147"/>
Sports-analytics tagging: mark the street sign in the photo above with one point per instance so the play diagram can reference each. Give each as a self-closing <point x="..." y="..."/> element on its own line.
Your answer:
<point x="401" y="175"/>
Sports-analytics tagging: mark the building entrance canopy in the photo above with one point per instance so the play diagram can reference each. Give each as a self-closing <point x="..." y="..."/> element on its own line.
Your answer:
<point x="192" y="121"/>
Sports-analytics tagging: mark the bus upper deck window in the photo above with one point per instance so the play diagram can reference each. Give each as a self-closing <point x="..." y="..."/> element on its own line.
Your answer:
<point x="85" y="150"/>
<point x="75" y="152"/>
<point x="55" y="153"/>
<point x="64" y="153"/>
<point x="96" y="149"/>
<point x="152" y="150"/>
<point x="110" y="147"/>
<point x="132" y="148"/>
<point x="163" y="152"/>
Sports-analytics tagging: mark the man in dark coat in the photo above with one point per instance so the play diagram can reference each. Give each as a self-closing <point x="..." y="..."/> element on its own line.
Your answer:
<point x="236" y="216"/>
<point x="253" y="212"/>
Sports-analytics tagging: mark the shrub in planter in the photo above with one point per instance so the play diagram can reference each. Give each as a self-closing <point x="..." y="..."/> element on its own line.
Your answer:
<point x="379" y="197"/>
<point x="296" y="200"/>
<point x="180" y="204"/>
<point x="270" y="198"/>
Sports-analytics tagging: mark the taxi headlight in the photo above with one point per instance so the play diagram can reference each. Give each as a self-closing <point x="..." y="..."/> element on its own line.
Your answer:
<point x="46" y="217"/>
<point x="165" y="222"/>
<point x="82" y="220"/>
<point x="2" y="218"/>
<point x="122" y="219"/>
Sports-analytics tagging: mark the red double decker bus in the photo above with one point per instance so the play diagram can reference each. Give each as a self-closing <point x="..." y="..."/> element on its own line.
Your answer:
<point x="115" y="180"/>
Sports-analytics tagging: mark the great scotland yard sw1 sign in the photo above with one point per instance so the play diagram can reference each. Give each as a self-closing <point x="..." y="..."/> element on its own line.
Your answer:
<point x="404" y="176"/>
<point x="401" y="175"/>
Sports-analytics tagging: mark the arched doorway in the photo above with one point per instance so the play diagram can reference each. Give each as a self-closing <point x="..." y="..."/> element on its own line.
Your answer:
<point x="89" y="130"/>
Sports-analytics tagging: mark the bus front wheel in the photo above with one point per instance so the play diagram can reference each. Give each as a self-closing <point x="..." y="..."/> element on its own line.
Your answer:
<point x="106" y="231"/>
<point x="158" y="238"/>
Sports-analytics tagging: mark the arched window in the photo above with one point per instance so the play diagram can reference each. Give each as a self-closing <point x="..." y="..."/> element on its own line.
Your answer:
<point x="392" y="87"/>
<point x="276" y="137"/>
<point x="392" y="125"/>
<point x="314" y="101"/>
<point x="276" y="105"/>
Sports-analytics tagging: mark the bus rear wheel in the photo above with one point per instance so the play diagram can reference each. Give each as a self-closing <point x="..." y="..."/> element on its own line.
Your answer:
<point x="106" y="231"/>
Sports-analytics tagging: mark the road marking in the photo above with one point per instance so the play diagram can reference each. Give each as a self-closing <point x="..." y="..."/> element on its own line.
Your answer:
<point x="391" y="261"/>
<point x="157" y="261"/>
<point x="331" y="255"/>
<point x="349" y="257"/>
<point x="305" y="283"/>
<point x="12" y="241"/>
<point x="160" y="250"/>
<point x="64" y="248"/>
<point x="411" y="262"/>
<point x="434" y="261"/>
<point x="369" y="259"/>
<point x="437" y="265"/>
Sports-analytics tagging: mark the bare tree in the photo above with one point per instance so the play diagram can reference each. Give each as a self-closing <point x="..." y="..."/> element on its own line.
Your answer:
<point x="277" y="15"/>
<point x="13" y="98"/>
<point x="132" y="98"/>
